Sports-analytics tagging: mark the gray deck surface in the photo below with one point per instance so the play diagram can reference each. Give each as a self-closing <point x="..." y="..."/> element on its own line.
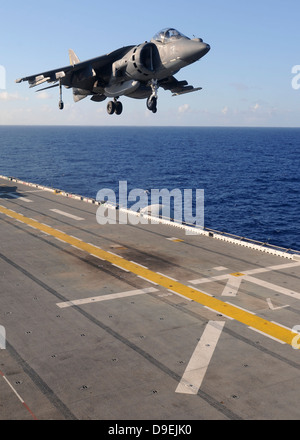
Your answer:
<point x="147" y="353"/>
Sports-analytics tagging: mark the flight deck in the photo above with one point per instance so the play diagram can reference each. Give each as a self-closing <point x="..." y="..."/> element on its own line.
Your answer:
<point x="140" y="322"/>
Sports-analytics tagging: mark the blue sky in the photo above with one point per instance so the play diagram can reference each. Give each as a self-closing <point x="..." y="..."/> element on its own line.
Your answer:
<point x="246" y="77"/>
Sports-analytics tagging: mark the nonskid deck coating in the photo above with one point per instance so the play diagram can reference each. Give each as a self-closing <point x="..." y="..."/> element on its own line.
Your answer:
<point x="163" y="289"/>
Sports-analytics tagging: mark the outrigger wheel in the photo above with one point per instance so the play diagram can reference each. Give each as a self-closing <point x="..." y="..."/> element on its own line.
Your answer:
<point x="60" y="103"/>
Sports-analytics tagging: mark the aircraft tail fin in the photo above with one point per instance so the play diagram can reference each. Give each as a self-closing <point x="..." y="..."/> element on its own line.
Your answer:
<point x="78" y="94"/>
<point x="73" y="57"/>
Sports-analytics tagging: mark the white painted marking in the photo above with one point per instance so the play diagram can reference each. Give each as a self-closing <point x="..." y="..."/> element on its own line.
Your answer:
<point x="241" y="308"/>
<point x="79" y="302"/>
<point x="119" y="267"/>
<point x="10" y="385"/>
<point x="24" y="199"/>
<point x="245" y="272"/>
<point x="272" y="268"/>
<point x="163" y="295"/>
<point x="219" y="314"/>
<point x="201" y="291"/>
<point x="94" y="255"/>
<point x="62" y="241"/>
<point x="232" y="286"/>
<point x="17" y="394"/>
<point x="166" y="276"/>
<point x="178" y="294"/>
<point x="149" y="281"/>
<point x="255" y="271"/>
<point x="234" y="282"/>
<point x="33" y="190"/>
<point x="138" y="264"/>
<point x="115" y="255"/>
<point x="273" y="287"/>
<point x="220" y="268"/>
<point x="66" y="214"/>
<point x="76" y="238"/>
<point x="16" y="196"/>
<point x="265" y="334"/>
<point x="284" y="326"/>
<point x="209" y="279"/>
<point x="195" y="371"/>
<point x="275" y="308"/>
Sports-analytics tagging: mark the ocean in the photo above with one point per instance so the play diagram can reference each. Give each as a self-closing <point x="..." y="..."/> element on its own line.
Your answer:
<point x="250" y="176"/>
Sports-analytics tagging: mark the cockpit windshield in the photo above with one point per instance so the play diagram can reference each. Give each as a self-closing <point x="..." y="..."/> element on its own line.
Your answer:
<point x="168" y="34"/>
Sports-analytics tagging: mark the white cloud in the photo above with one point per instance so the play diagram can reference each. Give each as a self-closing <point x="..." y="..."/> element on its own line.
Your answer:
<point x="43" y="95"/>
<point x="5" y="96"/>
<point x="184" y="108"/>
<point x="225" y="110"/>
<point x="240" y="86"/>
<point x="255" y="107"/>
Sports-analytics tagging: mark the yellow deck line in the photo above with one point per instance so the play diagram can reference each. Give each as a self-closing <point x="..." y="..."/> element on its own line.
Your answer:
<point x="249" y="319"/>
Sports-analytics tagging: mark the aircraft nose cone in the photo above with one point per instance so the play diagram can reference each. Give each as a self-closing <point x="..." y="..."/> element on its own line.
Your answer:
<point x="195" y="49"/>
<point x="203" y="48"/>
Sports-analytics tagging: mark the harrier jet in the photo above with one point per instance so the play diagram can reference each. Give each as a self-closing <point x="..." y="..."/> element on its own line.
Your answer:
<point x="132" y="71"/>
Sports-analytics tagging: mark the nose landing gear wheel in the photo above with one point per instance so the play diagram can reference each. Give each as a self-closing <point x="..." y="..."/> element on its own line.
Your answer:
<point x="152" y="104"/>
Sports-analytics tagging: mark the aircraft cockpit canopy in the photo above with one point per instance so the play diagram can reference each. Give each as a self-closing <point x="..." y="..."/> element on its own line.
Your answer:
<point x="167" y="35"/>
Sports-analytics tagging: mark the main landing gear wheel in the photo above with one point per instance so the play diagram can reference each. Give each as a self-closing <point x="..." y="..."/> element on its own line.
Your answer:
<point x="111" y="107"/>
<point x="114" y="107"/>
<point x="119" y="108"/>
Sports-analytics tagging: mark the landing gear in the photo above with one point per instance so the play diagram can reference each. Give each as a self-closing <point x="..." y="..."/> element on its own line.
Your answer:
<point x="111" y="107"/>
<point x="119" y="108"/>
<point x="114" y="107"/>
<point x="152" y="104"/>
<point x="60" y="103"/>
<point x="152" y="100"/>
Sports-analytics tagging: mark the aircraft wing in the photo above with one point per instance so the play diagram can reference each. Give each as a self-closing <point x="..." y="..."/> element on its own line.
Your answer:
<point x="70" y="74"/>
<point x="177" y="87"/>
<point x="48" y="76"/>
